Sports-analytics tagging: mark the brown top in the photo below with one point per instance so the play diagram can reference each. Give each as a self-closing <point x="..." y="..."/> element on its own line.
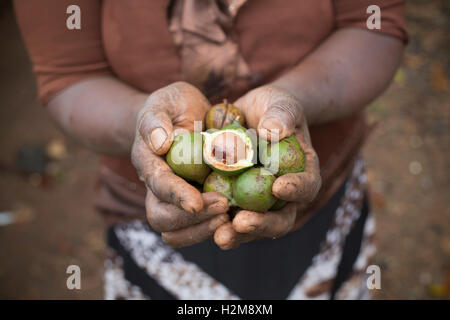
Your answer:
<point x="135" y="41"/>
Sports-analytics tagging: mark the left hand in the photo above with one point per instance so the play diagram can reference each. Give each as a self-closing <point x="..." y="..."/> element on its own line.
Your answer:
<point x="270" y="110"/>
<point x="182" y="214"/>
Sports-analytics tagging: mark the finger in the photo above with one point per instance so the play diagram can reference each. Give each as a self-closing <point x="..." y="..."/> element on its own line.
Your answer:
<point x="160" y="179"/>
<point x="302" y="186"/>
<point x="179" y="104"/>
<point x="281" y="116"/>
<point x="271" y="224"/>
<point x="196" y="233"/>
<point x="155" y="125"/>
<point x="227" y="238"/>
<point x="164" y="217"/>
<point x="254" y="226"/>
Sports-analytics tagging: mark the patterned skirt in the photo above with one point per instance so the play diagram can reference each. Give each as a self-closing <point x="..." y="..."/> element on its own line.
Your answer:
<point x="325" y="259"/>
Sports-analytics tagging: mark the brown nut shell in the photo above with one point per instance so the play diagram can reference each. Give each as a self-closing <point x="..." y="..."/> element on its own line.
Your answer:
<point x="222" y="115"/>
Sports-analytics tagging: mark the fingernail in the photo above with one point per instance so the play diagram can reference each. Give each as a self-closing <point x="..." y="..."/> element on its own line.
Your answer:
<point x="290" y="189"/>
<point x="249" y="228"/>
<point x="273" y="125"/>
<point x="158" y="137"/>
<point x="217" y="222"/>
<point x="217" y="207"/>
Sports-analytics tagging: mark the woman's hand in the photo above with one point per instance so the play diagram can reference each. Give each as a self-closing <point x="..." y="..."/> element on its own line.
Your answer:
<point x="175" y="208"/>
<point x="275" y="113"/>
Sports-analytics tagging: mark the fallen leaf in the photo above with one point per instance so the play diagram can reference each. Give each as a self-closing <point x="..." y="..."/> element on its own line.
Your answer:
<point x="413" y="61"/>
<point x="56" y="149"/>
<point x="23" y="213"/>
<point x="400" y="77"/>
<point x="445" y="245"/>
<point x="377" y="199"/>
<point x="438" y="290"/>
<point x="442" y="290"/>
<point x="439" y="78"/>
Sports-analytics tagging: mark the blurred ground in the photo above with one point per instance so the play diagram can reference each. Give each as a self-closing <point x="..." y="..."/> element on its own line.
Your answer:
<point x="408" y="158"/>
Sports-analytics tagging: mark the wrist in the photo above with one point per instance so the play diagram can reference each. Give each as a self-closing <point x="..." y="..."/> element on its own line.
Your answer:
<point x="136" y="103"/>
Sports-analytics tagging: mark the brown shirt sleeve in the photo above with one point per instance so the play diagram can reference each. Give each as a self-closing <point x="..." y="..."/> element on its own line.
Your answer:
<point x="60" y="56"/>
<point x="352" y="13"/>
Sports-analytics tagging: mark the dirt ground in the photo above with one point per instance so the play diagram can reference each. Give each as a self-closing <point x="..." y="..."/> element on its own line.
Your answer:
<point x="408" y="157"/>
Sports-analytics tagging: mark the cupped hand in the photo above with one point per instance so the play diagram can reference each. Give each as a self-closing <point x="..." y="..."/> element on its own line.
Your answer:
<point x="175" y="208"/>
<point x="275" y="114"/>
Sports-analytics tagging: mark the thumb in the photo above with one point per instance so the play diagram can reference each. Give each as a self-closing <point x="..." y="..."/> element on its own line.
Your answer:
<point x="156" y="129"/>
<point x="280" y="118"/>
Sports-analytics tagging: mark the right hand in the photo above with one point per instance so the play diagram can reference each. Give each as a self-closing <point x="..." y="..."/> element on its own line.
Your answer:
<point x="270" y="108"/>
<point x="175" y="208"/>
